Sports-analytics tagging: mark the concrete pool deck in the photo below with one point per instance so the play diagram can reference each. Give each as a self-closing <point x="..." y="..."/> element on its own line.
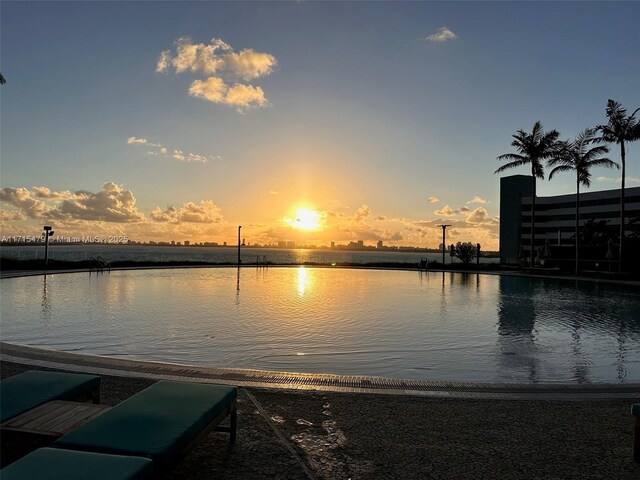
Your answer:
<point x="305" y="434"/>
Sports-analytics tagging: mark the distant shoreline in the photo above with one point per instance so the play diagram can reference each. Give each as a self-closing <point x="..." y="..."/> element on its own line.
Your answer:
<point x="368" y="249"/>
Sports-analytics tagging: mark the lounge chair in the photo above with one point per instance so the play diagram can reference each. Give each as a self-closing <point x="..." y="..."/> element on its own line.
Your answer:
<point x="58" y="464"/>
<point x="30" y="389"/>
<point x="162" y="422"/>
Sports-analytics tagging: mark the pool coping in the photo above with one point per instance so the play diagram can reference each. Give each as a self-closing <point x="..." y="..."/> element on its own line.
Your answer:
<point x="6" y="274"/>
<point x="119" y="367"/>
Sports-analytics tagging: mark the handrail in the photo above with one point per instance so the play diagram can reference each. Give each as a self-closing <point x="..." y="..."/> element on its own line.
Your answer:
<point x="100" y="264"/>
<point x="104" y="263"/>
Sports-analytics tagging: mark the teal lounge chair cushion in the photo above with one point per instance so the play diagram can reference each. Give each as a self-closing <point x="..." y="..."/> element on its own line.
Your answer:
<point x="158" y="422"/>
<point x="635" y="409"/>
<point x="29" y="389"/>
<point x="57" y="464"/>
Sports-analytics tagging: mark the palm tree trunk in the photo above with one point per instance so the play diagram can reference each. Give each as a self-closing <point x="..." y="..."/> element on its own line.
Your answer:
<point x="577" y="219"/>
<point x="622" y="155"/>
<point x="533" y="220"/>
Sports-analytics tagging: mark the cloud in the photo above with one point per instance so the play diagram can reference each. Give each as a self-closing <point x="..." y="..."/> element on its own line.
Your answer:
<point x="446" y="211"/>
<point x="618" y="180"/>
<point x="241" y="96"/>
<point x="216" y="57"/>
<point x="477" y="199"/>
<point x="273" y="192"/>
<point x="141" y="141"/>
<point x="442" y="35"/>
<point x="21" y="198"/>
<point x="223" y="67"/>
<point x="44" y="192"/>
<point x="433" y="200"/>
<point x="11" y="215"/>
<point x="112" y="204"/>
<point x="480" y="216"/>
<point x="463" y="209"/>
<point x="362" y="213"/>
<point x="178" y="155"/>
<point x="245" y="96"/>
<point x="190" y="212"/>
<point x="381" y="218"/>
<point x="212" y="89"/>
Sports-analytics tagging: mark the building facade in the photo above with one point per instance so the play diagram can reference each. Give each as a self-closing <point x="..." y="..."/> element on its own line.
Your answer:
<point x="555" y="216"/>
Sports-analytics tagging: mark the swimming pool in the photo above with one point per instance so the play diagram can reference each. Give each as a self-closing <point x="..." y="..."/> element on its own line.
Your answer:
<point x="406" y="324"/>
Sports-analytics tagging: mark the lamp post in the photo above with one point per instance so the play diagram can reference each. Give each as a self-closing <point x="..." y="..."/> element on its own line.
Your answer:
<point x="239" y="228"/>
<point x="444" y="244"/>
<point x="47" y="233"/>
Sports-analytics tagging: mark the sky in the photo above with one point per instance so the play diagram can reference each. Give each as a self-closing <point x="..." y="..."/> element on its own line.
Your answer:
<point x="301" y="121"/>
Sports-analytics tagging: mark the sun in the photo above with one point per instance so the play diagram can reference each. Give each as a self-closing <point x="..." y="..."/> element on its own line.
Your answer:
<point x="306" y="219"/>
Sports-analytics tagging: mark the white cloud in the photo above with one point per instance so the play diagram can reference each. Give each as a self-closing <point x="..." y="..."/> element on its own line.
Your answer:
<point x="479" y="216"/>
<point x="212" y="89"/>
<point x="446" y="211"/>
<point x="21" y="198"/>
<point x="44" y="192"/>
<point x="190" y="212"/>
<point x="11" y="215"/>
<point x="249" y="64"/>
<point x="241" y="96"/>
<point x="362" y="213"/>
<point x="618" y="180"/>
<point x="245" y="96"/>
<point x="223" y="67"/>
<point x="433" y="199"/>
<point x="112" y="204"/>
<point x="477" y="199"/>
<point x="177" y="154"/>
<point x="273" y="192"/>
<point x="442" y="35"/>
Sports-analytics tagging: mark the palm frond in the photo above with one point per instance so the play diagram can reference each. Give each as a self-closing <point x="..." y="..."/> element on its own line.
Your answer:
<point x="511" y="156"/>
<point x="515" y="164"/>
<point x="560" y="169"/>
<point x="603" y="162"/>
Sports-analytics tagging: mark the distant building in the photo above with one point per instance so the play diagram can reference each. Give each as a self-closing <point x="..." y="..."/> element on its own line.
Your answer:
<point x="291" y="244"/>
<point x="555" y="216"/>
<point x="187" y="243"/>
<point x="173" y="242"/>
<point x="379" y="245"/>
<point x="333" y="244"/>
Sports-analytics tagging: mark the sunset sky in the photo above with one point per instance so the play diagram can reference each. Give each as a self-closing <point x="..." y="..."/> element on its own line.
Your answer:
<point x="312" y="122"/>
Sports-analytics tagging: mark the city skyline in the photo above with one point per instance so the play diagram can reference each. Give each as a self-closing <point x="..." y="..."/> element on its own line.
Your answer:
<point x="362" y="121"/>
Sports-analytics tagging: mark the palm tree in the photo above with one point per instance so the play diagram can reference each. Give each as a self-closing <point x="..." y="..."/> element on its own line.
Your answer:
<point x="620" y="129"/>
<point x="576" y="156"/>
<point x="2" y="80"/>
<point x="532" y="149"/>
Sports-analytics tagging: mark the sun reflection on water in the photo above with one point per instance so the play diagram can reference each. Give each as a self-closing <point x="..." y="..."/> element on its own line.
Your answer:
<point x="302" y="280"/>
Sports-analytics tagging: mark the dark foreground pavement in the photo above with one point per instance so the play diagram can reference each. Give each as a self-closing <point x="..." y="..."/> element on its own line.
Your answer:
<point x="301" y="435"/>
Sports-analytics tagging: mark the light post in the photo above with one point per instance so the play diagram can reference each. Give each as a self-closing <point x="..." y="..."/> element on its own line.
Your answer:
<point x="239" y="228"/>
<point x="444" y="244"/>
<point x="47" y="233"/>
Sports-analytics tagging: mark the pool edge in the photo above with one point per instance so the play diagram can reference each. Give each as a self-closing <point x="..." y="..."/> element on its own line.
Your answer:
<point x="118" y="367"/>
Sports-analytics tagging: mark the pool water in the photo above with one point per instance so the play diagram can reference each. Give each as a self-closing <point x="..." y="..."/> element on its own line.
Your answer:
<point x="405" y="324"/>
